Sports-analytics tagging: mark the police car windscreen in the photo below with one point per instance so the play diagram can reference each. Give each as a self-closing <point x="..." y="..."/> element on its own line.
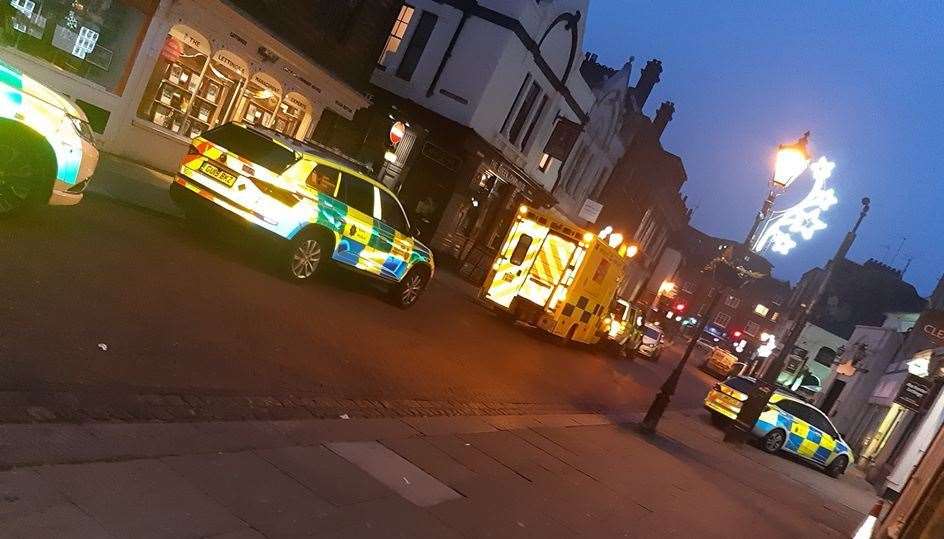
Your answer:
<point x="739" y="383"/>
<point x="252" y="146"/>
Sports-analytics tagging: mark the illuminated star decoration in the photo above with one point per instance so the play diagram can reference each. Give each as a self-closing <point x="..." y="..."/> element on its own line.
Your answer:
<point x="803" y="219"/>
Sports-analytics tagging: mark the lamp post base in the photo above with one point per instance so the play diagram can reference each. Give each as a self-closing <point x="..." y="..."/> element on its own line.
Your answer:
<point x="654" y="414"/>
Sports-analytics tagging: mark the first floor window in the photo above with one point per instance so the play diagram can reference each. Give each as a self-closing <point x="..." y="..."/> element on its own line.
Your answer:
<point x="732" y="301"/>
<point x="761" y="309"/>
<point x="722" y="320"/>
<point x="545" y="162"/>
<point x="751" y="328"/>
<point x="414" y="51"/>
<point x="396" y="35"/>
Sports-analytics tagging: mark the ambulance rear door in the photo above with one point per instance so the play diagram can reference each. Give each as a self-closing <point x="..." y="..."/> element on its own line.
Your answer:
<point x="548" y="269"/>
<point x="513" y="264"/>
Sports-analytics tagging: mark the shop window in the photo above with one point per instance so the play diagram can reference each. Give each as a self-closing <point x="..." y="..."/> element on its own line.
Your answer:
<point x="174" y="83"/>
<point x="396" y="35"/>
<point x="292" y="110"/>
<point x="521" y="249"/>
<point x="524" y="112"/>
<point x="94" y="40"/>
<point x="263" y="95"/>
<point x="216" y="95"/>
<point x="414" y="51"/>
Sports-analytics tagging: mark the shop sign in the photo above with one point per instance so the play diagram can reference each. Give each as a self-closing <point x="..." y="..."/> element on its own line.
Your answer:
<point x="931" y="326"/>
<point x="914" y="392"/>
<point x="190" y="37"/>
<point x="562" y="139"/>
<point x="296" y="100"/>
<point x="232" y="61"/>
<point x="590" y="210"/>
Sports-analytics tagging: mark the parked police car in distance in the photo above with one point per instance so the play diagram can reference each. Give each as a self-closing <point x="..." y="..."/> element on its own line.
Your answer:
<point x="47" y="152"/>
<point x="787" y="424"/>
<point x="315" y="201"/>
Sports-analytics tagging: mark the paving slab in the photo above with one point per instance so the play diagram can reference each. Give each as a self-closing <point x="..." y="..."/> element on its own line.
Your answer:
<point x="433" y="426"/>
<point x="329" y="476"/>
<point x="315" y="432"/>
<point x="134" y="499"/>
<point x="430" y="458"/>
<point x="257" y="492"/>
<point x="394" y="518"/>
<point x="63" y="521"/>
<point x="395" y="472"/>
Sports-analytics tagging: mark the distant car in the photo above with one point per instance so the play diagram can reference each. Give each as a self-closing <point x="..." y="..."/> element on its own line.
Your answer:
<point x="719" y="362"/>
<point x="653" y="341"/>
<point x="788" y="424"/>
<point x="47" y="151"/>
<point x="314" y="201"/>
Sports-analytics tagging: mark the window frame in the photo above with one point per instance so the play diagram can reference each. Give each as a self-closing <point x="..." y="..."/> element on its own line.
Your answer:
<point x="425" y="26"/>
<point x="514" y="252"/>
<point x="751" y="328"/>
<point x="732" y="301"/>
<point x="380" y="194"/>
<point x="524" y="111"/>
<point x="392" y="35"/>
<point x="721" y="324"/>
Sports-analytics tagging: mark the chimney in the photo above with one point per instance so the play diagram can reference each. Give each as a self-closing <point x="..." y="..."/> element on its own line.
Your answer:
<point x="663" y="117"/>
<point x="647" y="80"/>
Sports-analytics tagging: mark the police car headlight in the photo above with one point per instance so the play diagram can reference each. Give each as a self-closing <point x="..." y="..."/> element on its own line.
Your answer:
<point x="83" y="129"/>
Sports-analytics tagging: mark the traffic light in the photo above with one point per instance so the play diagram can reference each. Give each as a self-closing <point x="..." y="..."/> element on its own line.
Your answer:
<point x="736" y="334"/>
<point x="679" y="307"/>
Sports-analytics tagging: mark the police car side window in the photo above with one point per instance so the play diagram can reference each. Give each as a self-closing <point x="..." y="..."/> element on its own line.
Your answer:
<point x="793" y="409"/>
<point x="324" y="179"/>
<point x="392" y="214"/>
<point x="820" y="422"/>
<point x="357" y="194"/>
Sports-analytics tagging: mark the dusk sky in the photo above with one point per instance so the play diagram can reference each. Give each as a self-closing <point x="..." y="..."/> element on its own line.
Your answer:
<point x="866" y="80"/>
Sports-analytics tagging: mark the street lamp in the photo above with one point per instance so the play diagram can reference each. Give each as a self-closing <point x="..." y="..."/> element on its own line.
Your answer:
<point x="792" y="160"/>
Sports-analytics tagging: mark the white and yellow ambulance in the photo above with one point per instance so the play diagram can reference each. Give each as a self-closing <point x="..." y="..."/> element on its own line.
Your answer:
<point x="556" y="276"/>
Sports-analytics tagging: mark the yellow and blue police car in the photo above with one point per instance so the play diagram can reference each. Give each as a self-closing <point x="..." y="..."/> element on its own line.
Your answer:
<point x="788" y="424"/>
<point x="319" y="203"/>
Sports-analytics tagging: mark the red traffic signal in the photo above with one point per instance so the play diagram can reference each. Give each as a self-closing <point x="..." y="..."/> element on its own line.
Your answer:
<point x="736" y="334"/>
<point x="680" y="307"/>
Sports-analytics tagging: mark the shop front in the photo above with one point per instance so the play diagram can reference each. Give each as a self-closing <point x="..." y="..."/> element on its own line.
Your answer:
<point x="152" y="74"/>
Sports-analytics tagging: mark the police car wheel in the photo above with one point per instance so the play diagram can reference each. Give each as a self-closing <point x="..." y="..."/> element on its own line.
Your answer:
<point x="304" y="257"/>
<point x="837" y="466"/>
<point x="26" y="171"/>
<point x="773" y="441"/>
<point x="408" y="290"/>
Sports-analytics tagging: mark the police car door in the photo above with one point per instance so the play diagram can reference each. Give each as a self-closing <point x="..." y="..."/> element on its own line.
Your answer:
<point x="354" y="247"/>
<point x="393" y="235"/>
<point x="804" y="437"/>
<point x="827" y="443"/>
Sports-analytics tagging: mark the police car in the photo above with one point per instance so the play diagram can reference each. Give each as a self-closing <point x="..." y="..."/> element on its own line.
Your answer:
<point x="788" y="424"/>
<point x="317" y="202"/>
<point x="47" y="152"/>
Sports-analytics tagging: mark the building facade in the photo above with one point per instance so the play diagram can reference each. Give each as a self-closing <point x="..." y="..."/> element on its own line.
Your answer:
<point x="150" y="74"/>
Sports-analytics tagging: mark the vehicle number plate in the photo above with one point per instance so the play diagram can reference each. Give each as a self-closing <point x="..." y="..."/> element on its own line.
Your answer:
<point x="219" y="175"/>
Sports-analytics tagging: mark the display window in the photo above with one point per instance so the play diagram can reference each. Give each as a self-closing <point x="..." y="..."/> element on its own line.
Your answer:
<point x="178" y="75"/>
<point x="263" y="94"/>
<point x="292" y="110"/>
<point x="94" y="39"/>
<point x="216" y="94"/>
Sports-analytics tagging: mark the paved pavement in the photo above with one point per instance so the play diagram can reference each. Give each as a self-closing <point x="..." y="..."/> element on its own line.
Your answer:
<point x="499" y="476"/>
<point x="106" y="304"/>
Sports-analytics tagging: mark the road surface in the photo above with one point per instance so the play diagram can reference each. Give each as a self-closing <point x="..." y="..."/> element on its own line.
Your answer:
<point x="106" y="296"/>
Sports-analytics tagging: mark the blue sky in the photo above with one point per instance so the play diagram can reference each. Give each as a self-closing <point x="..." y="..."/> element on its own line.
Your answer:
<point x="866" y="78"/>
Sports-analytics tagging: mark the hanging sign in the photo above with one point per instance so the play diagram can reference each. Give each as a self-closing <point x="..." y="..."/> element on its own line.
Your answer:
<point x="562" y="139"/>
<point x="397" y="131"/>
